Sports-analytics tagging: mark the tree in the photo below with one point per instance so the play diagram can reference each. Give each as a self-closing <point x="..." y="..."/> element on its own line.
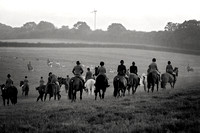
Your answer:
<point x="64" y="28"/>
<point x="116" y="28"/>
<point x="29" y="26"/>
<point x="45" y="26"/>
<point x="81" y="27"/>
<point x="171" y="26"/>
<point x="191" y="24"/>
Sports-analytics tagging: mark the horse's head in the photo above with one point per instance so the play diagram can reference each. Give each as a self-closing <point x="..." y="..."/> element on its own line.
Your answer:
<point x="176" y="71"/>
<point x="2" y="86"/>
<point x="21" y="83"/>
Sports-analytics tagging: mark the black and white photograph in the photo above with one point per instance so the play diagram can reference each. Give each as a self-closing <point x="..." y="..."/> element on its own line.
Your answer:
<point x="99" y="66"/>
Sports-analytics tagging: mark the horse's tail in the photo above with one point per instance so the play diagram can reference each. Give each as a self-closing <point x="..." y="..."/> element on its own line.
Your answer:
<point x="116" y="85"/>
<point x="70" y="89"/>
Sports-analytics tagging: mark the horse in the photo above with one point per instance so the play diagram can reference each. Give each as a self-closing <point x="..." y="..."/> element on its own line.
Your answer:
<point x="75" y="84"/>
<point x="25" y="88"/>
<point x="41" y="90"/>
<point x="153" y="79"/>
<point x="90" y="86"/>
<point x="143" y="81"/>
<point x="100" y="86"/>
<point x="120" y="84"/>
<point x="62" y="81"/>
<point x="53" y="90"/>
<point x="169" y="78"/>
<point x="133" y="82"/>
<point x="9" y="93"/>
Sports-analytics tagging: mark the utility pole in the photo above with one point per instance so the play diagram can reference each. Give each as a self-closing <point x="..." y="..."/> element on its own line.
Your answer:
<point x="95" y="13"/>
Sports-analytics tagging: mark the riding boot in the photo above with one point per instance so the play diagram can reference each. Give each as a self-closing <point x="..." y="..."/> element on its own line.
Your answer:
<point x="83" y="82"/>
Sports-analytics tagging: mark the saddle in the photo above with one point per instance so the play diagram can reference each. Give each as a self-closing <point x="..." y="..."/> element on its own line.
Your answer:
<point x="173" y="76"/>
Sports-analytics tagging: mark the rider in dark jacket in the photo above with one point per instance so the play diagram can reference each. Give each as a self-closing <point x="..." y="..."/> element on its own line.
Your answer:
<point x="133" y="68"/>
<point x="121" y="69"/>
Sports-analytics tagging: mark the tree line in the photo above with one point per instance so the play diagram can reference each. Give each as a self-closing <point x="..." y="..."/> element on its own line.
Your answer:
<point x="178" y="35"/>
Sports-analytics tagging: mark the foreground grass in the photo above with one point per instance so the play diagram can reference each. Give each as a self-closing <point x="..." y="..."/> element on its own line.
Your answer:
<point x="172" y="110"/>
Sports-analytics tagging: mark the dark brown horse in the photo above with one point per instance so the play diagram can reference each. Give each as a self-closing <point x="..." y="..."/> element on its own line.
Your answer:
<point x="62" y="81"/>
<point x="75" y="85"/>
<point x="9" y="93"/>
<point x="52" y="90"/>
<point x="133" y="82"/>
<point x="100" y="86"/>
<point x="153" y="79"/>
<point x="25" y="88"/>
<point x="169" y="78"/>
<point x="120" y="84"/>
<point x="41" y="91"/>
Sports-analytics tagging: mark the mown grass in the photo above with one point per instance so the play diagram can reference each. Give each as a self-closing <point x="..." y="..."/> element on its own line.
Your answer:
<point x="164" y="111"/>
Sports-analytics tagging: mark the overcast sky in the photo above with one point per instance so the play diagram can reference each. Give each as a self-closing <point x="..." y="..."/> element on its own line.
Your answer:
<point x="140" y="15"/>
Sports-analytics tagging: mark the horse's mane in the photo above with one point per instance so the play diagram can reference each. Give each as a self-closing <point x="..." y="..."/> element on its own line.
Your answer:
<point x="176" y="68"/>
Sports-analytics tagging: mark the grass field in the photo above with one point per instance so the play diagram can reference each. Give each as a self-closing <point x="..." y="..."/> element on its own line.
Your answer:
<point x="170" y="110"/>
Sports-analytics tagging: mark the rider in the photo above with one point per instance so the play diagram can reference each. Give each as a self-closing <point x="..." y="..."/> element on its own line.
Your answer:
<point x="41" y="84"/>
<point x="153" y="67"/>
<point x="102" y="71"/>
<point x="88" y="75"/>
<point x="41" y="81"/>
<point x="169" y="69"/>
<point x="78" y="71"/>
<point x="67" y="80"/>
<point x="48" y="82"/>
<point x="26" y="82"/>
<point x="133" y="69"/>
<point x="121" y="69"/>
<point x="9" y="81"/>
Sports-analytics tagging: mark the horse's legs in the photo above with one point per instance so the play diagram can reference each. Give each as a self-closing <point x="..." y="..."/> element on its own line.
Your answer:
<point x="59" y="96"/>
<point x="81" y="92"/>
<point x="157" y="86"/>
<point x="45" y="96"/>
<point x="8" y="101"/>
<point x="133" y="90"/>
<point x="152" y="89"/>
<point x="123" y="91"/>
<point x="4" y="101"/>
<point x="95" y="93"/>
<point x="128" y="88"/>
<point x="100" y="94"/>
<point x="38" y="98"/>
<point x="54" y="96"/>
<point x="42" y="95"/>
<point x="148" y="86"/>
<point x="103" y="93"/>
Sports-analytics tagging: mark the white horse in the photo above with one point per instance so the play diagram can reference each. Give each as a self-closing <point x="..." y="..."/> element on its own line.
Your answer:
<point x="89" y="85"/>
<point x="143" y="81"/>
